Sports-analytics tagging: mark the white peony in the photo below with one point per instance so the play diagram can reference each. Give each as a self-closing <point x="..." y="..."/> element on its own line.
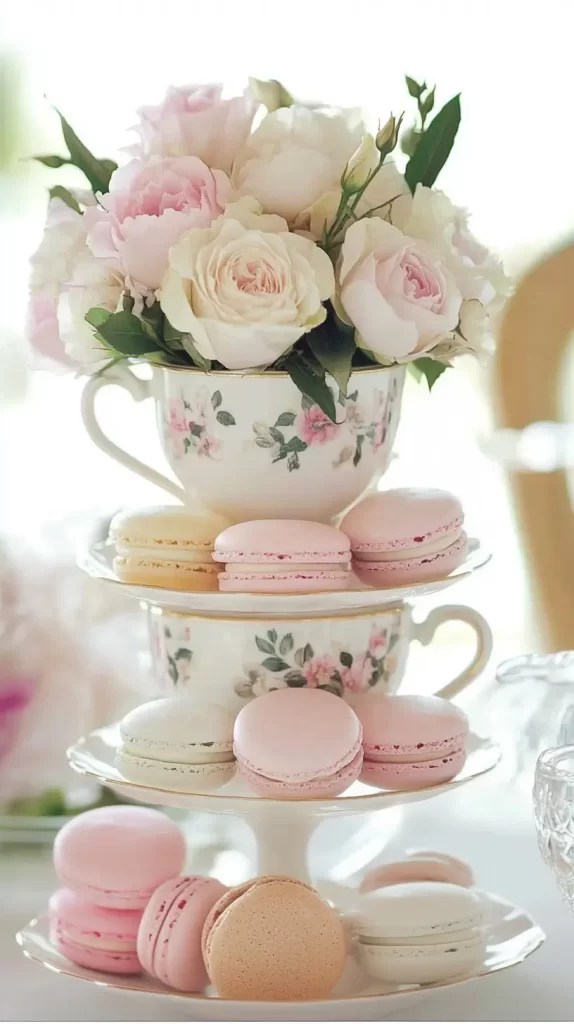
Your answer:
<point x="63" y="242"/>
<point x="295" y="156"/>
<point x="432" y="217"/>
<point x="93" y="283"/>
<point x="246" y="289"/>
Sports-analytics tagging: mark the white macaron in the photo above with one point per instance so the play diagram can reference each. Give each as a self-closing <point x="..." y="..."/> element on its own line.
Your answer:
<point x="420" y="932"/>
<point x="177" y="743"/>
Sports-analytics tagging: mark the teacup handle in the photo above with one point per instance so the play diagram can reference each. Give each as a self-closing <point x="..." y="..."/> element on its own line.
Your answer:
<point x="424" y="632"/>
<point x="139" y="390"/>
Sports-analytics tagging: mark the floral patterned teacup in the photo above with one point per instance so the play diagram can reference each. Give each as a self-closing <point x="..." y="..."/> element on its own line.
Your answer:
<point x="230" y="660"/>
<point x="251" y="446"/>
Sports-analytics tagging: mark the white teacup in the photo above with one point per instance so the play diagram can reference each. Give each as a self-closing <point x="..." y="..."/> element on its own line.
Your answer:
<point x="230" y="659"/>
<point x="249" y="446"/>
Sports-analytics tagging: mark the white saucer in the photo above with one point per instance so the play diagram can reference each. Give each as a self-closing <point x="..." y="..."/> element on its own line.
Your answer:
<point x="512" y="936"/>
<point x="94" y="755"/>
<point x="97" y="561"/>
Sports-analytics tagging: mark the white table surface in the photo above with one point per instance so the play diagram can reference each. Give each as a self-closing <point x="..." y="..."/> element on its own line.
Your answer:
<point x="488" y="823"/>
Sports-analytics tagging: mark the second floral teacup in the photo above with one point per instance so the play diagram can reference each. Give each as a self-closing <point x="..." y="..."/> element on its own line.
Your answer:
<point x="230" y="660"/>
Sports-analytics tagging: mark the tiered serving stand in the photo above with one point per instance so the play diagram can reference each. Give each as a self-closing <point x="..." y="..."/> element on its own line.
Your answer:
<point x="282" y="830"/>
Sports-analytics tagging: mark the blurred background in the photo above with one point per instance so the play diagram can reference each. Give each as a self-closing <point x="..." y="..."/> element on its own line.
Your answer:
<point x="510" y="164"/>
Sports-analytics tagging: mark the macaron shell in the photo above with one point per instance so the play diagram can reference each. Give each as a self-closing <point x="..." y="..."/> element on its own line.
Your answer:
<point x="283" y="541"/>
<point x="420" y="913"/>
<point x="412" y="570"/>
<point x="276" y="940"/>
<point x="297" y="735"/>
<point x="170" y="776"/>
<point x="324" y="788"/>
<point x="422" y="964"/>
<point x="410" y="727"/>
<point x="284" y="583"/>
<point x="462" y="873"/>
<point x="418" y="869"/>
<point x="172" y="928"/>
<point x="166" y="575"/>
<point x="396" y="518"/>
<point x="179" y="729"/>
<point x="95" y="959"/>
<point x="117" y="856"/>
<point x="169" y="525"/>
<point x="414" y="775"/>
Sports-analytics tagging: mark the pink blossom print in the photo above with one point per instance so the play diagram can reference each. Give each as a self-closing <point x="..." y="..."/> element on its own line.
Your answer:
<point x="319" y="671"/>
<point x="315" y="427"/>
<point x="193" y="422"/>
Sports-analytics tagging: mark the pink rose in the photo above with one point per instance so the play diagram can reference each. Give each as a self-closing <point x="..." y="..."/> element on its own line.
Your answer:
<point x="398" y="294"/>
<point x="356" y="678"/>
<point x="378" y="643"/>
<point x="314" y="427"/>
<point x="148" y="208"/>
<point x="318" y="671"/>
<point x="193" y="120"/>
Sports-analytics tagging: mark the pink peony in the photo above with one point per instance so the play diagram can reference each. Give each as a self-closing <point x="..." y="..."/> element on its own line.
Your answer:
<point x="148" y="208"/>
<point x="318" y="671"/>
<point x="194" y="120"/>
<point x="314" y="427"/>
<point x="356" y="678"/>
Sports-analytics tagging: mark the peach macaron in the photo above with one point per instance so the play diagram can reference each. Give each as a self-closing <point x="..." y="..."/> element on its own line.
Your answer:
<point x="273" y="938"/>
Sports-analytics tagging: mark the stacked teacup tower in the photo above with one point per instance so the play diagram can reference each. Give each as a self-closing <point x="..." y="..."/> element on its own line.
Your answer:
<point x="275" y="594"/>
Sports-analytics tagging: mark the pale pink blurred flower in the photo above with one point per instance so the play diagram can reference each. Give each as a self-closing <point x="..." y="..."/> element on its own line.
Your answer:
<point x="208" y="446"/>
<point x="15" y="696"/>
<point x="314" y="426"/>
<point x="319" y="671"/>
<point x="149" y="207"/>
<point x="378" y="642"/>
<point x="43" y="329"/>
<point x="356" y="678"/>
<point x="193" y="120"/>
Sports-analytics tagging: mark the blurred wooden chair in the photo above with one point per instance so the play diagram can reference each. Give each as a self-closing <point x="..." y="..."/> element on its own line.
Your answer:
<point x="536" y="330"/>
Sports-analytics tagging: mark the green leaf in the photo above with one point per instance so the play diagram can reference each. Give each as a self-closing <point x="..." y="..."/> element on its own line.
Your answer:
<point x="310" y="385"/>
<point x="226" y="419"/>
<point x="414" y="88"/>
<point x="152" y="321"/>
<point x="96" y="171"/>
<point x="299" y="657"/>
<point x="292" y="461"/>
<point x="434" y="146"/>
<point x="96" y="316"/>
<point x="286" y="419"/>
<point x="51" y="161"/>
<point x="265" y="442"/>
<point x="272" y="634"/>
<point x="295" y="678"/>
<point x="170" y="333"/>
<point x="183" y="652"/>
<point x="335" y="688"/>
<point x="346" y="659"/>
<point x="296" y="445"/>
<point x="276" y="435"/>
<point x="216" y="400"/>
<point x="334" y="350"/>
<point x="197" y="359"/>
<point x="274" y="664"/>
<point x="358" y="450"/>
<point x="431" y="369"/>
<point x="307" y="653"/>
<point x="125" y="333"/>
<point x="59" y="192"/>
<point x="264" y="645"/>
<point x="286" y="644"/>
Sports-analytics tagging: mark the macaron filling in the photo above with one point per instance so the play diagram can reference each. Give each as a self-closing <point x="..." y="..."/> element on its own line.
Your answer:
<point x="206" y="752"/>
<point x="405" y="753"/>
<point x="434" y="546"/>
<point x="89" y="939"/>
<point x="293" y="558"/>
<point x="172" y="551"/>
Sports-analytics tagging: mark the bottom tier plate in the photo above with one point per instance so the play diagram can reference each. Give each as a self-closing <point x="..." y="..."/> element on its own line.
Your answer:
<point x="512" y="936"/>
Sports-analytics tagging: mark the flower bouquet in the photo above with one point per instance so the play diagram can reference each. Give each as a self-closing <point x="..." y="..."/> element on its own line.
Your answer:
<point x="249" y="240"/>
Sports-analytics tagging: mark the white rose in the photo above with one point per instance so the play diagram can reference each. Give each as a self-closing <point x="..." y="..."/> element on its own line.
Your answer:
<point x="246" y="291"/>
<point x="473" y="336"/>
<point x="295" y="156"/>
<point x="395" y="291"/>
<point x="93" y="283"/>
<point x="432" y="217"/>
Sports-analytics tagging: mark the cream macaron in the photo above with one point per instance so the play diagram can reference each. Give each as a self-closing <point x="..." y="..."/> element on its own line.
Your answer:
<point x="177" y="743"/>
<point x="166" y="546"/>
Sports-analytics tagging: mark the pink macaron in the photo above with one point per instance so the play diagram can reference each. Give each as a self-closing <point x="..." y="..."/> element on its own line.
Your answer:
<point x="298" y="744"/>
<point x="277" y="556"/>
<point x="117" y="856"/>
<point x="169" y="939"/>
<point x="420" y="866"/>
<point x="411" y="742"/>
<point x="98" y="938"/>
<point x="404" y="536"/>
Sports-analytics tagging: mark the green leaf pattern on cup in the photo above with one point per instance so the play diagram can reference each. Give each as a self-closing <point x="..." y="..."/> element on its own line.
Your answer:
<point x="193" y="424"/>
<point x="287" y="663"/>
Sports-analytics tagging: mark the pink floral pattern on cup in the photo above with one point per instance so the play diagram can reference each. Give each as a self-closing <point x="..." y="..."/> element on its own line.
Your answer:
<point x="339" y="672"/>
<point x="193" y="422"/>
<point x="311" y="426"/>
